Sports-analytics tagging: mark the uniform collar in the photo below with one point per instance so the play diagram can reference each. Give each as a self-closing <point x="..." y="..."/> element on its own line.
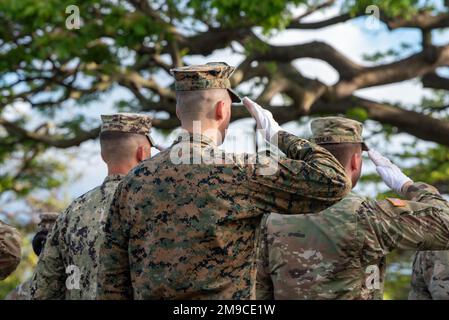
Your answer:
<point x="113" y="177"/>
<point x="196" y="138"/>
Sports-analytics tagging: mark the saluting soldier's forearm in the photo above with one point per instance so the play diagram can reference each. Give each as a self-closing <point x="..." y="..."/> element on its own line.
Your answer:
<point x="321" y="162"/>
<point x="425" y="193"/>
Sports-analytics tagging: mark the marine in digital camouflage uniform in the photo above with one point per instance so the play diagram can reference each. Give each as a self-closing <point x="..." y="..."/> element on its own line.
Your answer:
<point x="188" y="231"/>
<point x="10" y="249"/>
<point x="46" y="222"/>
<point x="340" y="252"/>
<point x="430" y="277"/>
<point x="74" y="242"/>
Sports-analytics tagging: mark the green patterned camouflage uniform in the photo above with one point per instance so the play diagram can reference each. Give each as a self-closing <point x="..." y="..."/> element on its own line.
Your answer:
<point x="10" y="249"/>
<point x="329" y="255"/>
<point x="187" y="230"/>
<point x="430" y="278"/>
<point x="75" y="241"/>
<point x="340" y="252"/>
<point x="73" y="246"/>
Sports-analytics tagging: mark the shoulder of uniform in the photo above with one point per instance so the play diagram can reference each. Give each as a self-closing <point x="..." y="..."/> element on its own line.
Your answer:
<point x="83" y="198"/>
<point x="86" y="195"/>
<point x="351" y="201"/>
<point x="399" y="205"/>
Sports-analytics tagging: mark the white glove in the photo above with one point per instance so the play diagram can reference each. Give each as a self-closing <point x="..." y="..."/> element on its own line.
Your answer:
<point x="389" y="172"/>
<point x="264" y="119"/>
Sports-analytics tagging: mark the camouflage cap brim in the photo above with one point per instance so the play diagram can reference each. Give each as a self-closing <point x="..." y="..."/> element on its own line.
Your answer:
<point x="364" y="147"/>
<point x="234" y="96"/>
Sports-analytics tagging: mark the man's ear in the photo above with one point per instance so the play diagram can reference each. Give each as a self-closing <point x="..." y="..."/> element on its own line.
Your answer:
<point x="355" y="161"/>
<point x="220" y="111"/>
<point x="140" y="154"/>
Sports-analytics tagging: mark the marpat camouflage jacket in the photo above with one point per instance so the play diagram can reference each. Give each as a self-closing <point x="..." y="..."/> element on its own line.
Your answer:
<point x="188" y="230"/>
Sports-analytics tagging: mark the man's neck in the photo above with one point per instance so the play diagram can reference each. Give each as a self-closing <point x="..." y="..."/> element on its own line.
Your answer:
<point x="211" y="133"/>
<point x="123" y="170"/>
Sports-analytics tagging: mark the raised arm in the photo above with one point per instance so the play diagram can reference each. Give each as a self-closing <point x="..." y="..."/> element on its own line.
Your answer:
<point x="308" y="180"/>
<point x="394" y="223"/>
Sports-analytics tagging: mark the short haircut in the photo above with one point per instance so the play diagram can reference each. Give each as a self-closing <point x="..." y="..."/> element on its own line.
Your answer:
<point x="199" y="103"/>
<point x="343" y="151"/>
<point x="118" y="146"/>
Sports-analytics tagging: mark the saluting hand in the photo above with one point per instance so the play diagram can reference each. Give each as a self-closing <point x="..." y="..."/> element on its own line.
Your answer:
<point x="389" y="172"/>
<point x="264" y="118"/>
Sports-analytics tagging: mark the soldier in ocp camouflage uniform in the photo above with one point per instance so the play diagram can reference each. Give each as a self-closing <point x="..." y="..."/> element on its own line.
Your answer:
<point x="181" y="227"/>
<point x="339" y="253"/>
<point x="10" y="249"/>
<point x="430" y="277"/>
<point x="74" y="242"/>
<point x="46" y="222"/>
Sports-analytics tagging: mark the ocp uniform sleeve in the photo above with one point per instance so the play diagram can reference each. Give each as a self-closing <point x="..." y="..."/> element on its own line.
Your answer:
<point x="418" y="285"/>
<point x="425" y="193"/>
<point x="309" y="179"/>
<point x="399" y="224"/>
<point x="48" y="282"/>
<point x="10" y="249"/>
<point x="114" y="279"/>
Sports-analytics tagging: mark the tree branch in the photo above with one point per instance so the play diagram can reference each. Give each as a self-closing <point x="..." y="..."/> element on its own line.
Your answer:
<point x="53" y="141"/>
<point x="434" y="81"/>
<point x="321" y="24"/>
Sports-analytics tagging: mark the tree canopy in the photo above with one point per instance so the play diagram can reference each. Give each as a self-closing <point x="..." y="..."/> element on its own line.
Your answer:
<point x="50" y="65"/>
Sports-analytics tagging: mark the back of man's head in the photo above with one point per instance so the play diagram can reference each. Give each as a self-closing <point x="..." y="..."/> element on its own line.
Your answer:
<point x="343" y="152"/>
<point x="210" y="109"/>
<point x="350" y="157"/>
<point x="343" y="138"/>
<point x="200" y="105"/>
<point x="121" y="149"/>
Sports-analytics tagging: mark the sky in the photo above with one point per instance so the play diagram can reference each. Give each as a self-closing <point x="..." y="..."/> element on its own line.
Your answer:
<point x="354" y="38"/>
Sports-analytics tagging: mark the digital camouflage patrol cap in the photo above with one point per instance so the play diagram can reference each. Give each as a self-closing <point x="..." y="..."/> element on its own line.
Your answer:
<point x="328" y="130"/>
<point x="128" y="122"/>
<point x="212" y="75"/>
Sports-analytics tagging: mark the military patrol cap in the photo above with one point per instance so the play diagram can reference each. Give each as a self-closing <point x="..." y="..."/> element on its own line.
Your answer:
<point x="46" y="221"/>
<point x="329" y="130"/>
<point x="128" y="122"/>
<point x="212" y="75"/>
